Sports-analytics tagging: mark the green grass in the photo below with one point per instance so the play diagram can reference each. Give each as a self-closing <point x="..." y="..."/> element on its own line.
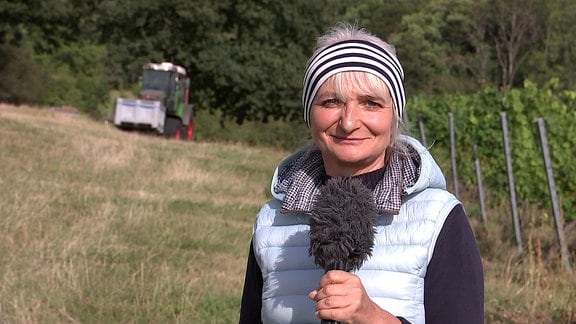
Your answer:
<point x="103" y="226"/>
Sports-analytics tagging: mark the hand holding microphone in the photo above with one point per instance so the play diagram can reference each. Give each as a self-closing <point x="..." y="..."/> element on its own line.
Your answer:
<point x="342" y="235"/>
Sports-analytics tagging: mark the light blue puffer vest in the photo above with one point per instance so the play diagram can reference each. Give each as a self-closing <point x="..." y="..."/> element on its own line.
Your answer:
<point x="393" y="276"/>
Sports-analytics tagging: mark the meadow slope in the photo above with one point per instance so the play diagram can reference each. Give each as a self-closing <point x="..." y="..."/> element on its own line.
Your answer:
<point x="100" y="225"/>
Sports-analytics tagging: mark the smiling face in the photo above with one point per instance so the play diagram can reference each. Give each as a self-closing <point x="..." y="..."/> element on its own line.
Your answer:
<point x="352" y="122"/>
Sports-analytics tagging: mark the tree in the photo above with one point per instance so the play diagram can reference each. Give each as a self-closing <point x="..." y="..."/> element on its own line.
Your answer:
<point x="383" y="17"/>
<point x="440" y="48"/>
<point x="11" y="14"/>
<point x="557" y="55"/>
<point x="254" y="72"/>
<point x="23" y="79"/>
<point x="515" y="29"/>
<point x="253" y="69"/>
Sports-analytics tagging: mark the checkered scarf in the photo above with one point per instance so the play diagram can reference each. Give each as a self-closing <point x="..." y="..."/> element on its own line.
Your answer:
<point x="300" y="181"/>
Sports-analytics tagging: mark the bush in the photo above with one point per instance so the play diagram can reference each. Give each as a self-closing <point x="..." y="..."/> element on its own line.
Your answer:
<point x="23" y="79"/>
<point x="78" y="78"/>
<point x="277" y="134"/>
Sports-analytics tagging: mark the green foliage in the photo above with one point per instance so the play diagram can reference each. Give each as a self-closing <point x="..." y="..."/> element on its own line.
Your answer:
<point x="278" y="134"/>
<point x="77" y="78"/>
<point x="556" y="57"/>
<point x="478" y="123"/>
<point x="443" y="47"/>
<point x="382" y="17"/>
<point x="246" y="57"/>
<point x="253" y="69"/>
<point x="23" y="79"/>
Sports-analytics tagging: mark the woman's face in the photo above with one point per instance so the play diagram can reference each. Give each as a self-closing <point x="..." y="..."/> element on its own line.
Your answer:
<point x="352" y="124"/>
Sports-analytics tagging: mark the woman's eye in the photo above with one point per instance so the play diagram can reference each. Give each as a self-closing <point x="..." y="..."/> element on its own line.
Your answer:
<point x="330" y="102"/>
<point x="373" y="104"/>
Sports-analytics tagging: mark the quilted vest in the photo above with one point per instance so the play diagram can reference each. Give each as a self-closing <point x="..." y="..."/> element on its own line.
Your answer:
<point x="393" y="277"/>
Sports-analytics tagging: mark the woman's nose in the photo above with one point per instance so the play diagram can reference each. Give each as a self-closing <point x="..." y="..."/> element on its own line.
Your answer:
<point x="349" y="117"/>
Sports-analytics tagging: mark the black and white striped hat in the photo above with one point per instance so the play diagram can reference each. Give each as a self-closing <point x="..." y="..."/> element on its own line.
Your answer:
<point x="353" y="55"/>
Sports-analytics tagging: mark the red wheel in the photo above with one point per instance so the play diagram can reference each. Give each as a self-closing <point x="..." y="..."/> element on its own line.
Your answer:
<point x="190" y="130"/>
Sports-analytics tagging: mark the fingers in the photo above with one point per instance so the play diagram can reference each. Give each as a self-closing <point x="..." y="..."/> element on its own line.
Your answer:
<point x="330" y="302"/>
<point x="333" y="307"/>
<point x="339" y="277"/>
<point x="342" y="297"/>
<point x="334" y="291"/>
<point x="339" y="295"/>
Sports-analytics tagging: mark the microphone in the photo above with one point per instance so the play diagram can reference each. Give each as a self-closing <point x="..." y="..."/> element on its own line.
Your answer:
<point x="342" y="225"/>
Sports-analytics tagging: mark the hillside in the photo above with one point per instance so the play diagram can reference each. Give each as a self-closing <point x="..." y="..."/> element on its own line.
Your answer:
<point x="108" y="226"/>
<point x="100" y="225"/>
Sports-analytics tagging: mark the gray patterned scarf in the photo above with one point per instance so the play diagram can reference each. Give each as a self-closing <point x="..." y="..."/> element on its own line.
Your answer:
<point x="300" y="180"/>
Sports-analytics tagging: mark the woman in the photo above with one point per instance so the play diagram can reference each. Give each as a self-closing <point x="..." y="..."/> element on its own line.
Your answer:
<point x="425" y="265"/>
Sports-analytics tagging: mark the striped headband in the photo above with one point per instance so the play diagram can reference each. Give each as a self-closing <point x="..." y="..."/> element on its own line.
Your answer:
<point x="353" y="55"/>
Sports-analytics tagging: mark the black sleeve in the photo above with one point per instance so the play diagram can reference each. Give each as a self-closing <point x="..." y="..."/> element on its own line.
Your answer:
<point x="252" y="294"/>
<point x="454" y="283"/>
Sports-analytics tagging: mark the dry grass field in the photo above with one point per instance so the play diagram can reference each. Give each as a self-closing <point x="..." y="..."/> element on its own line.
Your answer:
<point x="103" y="226"/>
<point x="100" y="225"/>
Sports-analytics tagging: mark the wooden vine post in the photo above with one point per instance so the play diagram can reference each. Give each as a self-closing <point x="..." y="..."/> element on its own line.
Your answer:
<point x="511" y="185"/>
<point x="453" y="154"/>
<point x="479" y="181"/>
<point x="422" y="132"/>
<point x="558" y="219"/>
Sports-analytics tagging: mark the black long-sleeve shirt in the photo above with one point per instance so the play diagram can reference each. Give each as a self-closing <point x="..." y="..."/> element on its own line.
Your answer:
<point x="453" y="286"/>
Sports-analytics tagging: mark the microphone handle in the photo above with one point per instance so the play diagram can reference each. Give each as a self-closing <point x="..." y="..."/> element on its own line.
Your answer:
<point x="338" y="265"/>
<point x="324" y="321"/>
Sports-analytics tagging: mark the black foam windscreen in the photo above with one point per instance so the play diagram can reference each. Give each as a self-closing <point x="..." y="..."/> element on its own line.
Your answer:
<point x="342" y="224"/>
